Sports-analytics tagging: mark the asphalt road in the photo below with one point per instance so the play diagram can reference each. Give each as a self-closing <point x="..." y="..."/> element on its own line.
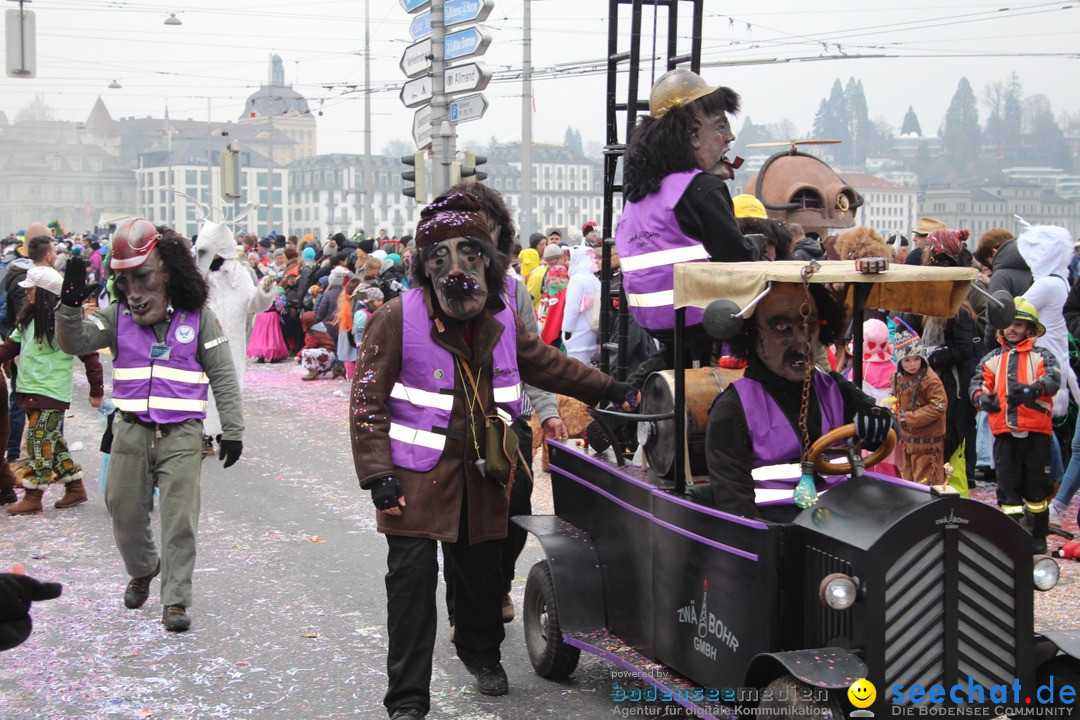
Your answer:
<point x="289" y="619"/>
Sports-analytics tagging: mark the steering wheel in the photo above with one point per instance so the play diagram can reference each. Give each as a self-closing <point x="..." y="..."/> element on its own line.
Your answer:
<point x="836" y="435"/>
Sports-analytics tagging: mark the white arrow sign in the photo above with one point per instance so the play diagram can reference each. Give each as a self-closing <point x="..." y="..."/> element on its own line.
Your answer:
<point x="466" y="78"/>
<point x="416" y="92"/>
<point x="416" y="60"/>
<point x="421" y="127"/>
<point x="470" y="107"/>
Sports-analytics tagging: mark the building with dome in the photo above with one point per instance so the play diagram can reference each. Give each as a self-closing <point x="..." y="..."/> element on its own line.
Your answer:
<point x="276" y="109"/>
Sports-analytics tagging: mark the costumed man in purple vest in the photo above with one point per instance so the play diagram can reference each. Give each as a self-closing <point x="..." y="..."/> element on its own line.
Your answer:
<point x="168" y="351"/>
<point x="434" y="363"/>
<point x="678" y="207"/>
<point x="753" y="429"/>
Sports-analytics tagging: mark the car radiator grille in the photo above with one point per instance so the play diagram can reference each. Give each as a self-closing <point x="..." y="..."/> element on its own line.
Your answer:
<point x="831" y="627"/>
<point x="924" y="597"/>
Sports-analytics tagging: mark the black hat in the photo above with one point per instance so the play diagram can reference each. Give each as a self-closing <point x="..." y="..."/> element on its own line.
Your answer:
<point x="535" y="239"/>
<point x="338" y="238"/>
<point x="367" y="246"/>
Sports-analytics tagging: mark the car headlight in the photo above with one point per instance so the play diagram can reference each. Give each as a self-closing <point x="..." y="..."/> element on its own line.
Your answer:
<point x="838" y="591"/>
<point x="1045" y="573"/>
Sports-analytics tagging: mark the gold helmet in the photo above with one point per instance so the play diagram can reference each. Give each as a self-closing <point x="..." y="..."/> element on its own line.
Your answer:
<point x="676" y="87"/>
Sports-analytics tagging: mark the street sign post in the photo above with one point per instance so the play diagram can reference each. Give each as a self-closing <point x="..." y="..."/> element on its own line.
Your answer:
<point x="470" y="77"/>
<point x="466" y="43"/>
<point x="416" y="60"/>
<point x="414" y="6"/>
<point x="455" y="12"/>
<point x="469" y="107"/>
<point x="421" y="127"/>
<point x="416" y="92"/>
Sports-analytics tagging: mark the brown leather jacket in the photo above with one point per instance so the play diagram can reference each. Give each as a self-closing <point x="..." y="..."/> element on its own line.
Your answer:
<point x="433" y="499"/>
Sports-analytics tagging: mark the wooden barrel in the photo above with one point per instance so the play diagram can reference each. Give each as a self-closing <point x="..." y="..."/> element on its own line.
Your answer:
<point x="658" y="396"/>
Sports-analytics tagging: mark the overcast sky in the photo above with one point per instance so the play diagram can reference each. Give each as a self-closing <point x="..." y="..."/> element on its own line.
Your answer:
<point x="221" y="52"/>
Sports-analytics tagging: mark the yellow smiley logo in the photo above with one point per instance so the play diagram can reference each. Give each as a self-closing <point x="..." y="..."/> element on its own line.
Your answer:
<point x="862" y="693"/>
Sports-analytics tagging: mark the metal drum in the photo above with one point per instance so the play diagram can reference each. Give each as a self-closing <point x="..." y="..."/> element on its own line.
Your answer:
<point x="657" y="438"/>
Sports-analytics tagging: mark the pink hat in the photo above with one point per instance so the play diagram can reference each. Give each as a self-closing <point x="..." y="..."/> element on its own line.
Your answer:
<point x="876" y="345"/>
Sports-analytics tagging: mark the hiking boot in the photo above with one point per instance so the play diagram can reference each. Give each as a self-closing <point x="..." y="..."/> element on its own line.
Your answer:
<point x="311" y="375"/>
<point x="31" y="503"/>
<point x="207" y="446"/>
<point x="74" y="494"/>
<point x="1039" y="527"/>
<point x="408" y="713"/>
<point x="507" y="609"/>
<point x="175" y="618"/>
<point x="490" y="680"/>
<point x="339" y="371"/>
<point x="8" y="496"/>
<point x="138" y="589"/>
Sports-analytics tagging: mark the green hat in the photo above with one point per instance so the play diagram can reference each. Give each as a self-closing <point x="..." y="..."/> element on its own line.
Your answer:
<point x="1027" y="312"/>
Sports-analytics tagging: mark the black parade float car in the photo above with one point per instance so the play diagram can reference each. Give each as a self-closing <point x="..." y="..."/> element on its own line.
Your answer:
<point x="926" y="594"/>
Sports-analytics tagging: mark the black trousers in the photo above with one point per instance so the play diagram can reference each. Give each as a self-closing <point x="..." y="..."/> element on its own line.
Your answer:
<point x="511" y="546"/>
<point x="1023" y="468"/>
<point x="412" y="579"/>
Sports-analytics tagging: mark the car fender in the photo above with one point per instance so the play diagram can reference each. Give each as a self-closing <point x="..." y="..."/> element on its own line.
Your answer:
<point x="575" y="571"/>
<point x="1065" y="641"/>
<point x="831" y="668"/>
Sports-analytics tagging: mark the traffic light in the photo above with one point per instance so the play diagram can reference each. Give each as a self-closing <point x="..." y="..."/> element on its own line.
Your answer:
<point x="419" y="189"/>
<point x="469" y="168"/>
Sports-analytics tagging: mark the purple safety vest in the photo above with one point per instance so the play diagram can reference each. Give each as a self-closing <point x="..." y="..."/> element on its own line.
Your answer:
<point x="162" y="390"/>
<point x="422" y="398"/>
<point x="650" y="242"/>
<point x="772" y="436"/>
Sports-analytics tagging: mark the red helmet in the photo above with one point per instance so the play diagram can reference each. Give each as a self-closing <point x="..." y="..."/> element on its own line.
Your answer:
<point x="133" y="240"/>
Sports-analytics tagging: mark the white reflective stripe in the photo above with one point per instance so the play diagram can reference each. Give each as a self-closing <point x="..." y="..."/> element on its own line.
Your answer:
<point x="215" y="342"/>
<point x="188" y="376"/>
<point x="134" y="373"/>
<point x="663" y="257"/>
<point x="412" y="436"/>
<point x="508" y="394"/>
<point x="422" y="398"/>
<point x="663" y="298"/>
<point x="163" y="403"/>
<point x="504" y="415"/>
<point x="97" y="321"/>
<point x="129" y="405"/>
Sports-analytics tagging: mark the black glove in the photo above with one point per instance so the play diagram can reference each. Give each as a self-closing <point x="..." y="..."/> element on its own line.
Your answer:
<point x="230" y="451"/>
<point x="16" y="594"/>
<point x="385" y="492"/>
<point x="872" y="428"/>
<point x="1023" y="395"/>
<point x="621" y="392"/>
<point x="988" y="402"/>
<point x="74" y="290"/>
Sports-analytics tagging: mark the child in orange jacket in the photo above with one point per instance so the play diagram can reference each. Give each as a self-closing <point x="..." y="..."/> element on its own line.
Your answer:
<point x="1015" y="385"/>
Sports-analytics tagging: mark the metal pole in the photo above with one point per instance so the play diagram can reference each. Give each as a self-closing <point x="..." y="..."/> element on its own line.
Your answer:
<point x="442" y="132"/>
<point x="369" y="176"/>
<point x="525" y="224"/>
<point x="270" y="176"/>
<point x="209" y="165"/>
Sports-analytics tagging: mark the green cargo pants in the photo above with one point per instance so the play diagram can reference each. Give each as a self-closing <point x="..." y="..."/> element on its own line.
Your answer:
<point x="138" y="460"/>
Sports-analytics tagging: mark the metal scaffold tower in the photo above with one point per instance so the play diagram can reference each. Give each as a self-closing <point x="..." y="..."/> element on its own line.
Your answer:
<point x="630" y="75"/>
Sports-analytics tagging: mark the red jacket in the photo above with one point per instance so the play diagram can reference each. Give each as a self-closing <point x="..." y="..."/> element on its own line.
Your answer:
<point x="1008" y="367"/>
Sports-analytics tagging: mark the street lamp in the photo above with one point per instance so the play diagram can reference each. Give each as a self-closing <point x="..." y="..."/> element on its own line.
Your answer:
<point x="173" y="20"/>
<point x="114" y="85"/>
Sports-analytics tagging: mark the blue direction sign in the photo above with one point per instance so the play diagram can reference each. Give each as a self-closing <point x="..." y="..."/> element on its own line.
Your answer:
<point x="466" y="43"/>
<point x="420" y="27"/>
<point x="456" y="12"/>
<point x="470" y="107"/>
<point x="412" y="6"/>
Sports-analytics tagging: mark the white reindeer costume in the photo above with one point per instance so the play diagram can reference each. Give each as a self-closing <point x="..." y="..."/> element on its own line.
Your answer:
<point x="234" y="298"/>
